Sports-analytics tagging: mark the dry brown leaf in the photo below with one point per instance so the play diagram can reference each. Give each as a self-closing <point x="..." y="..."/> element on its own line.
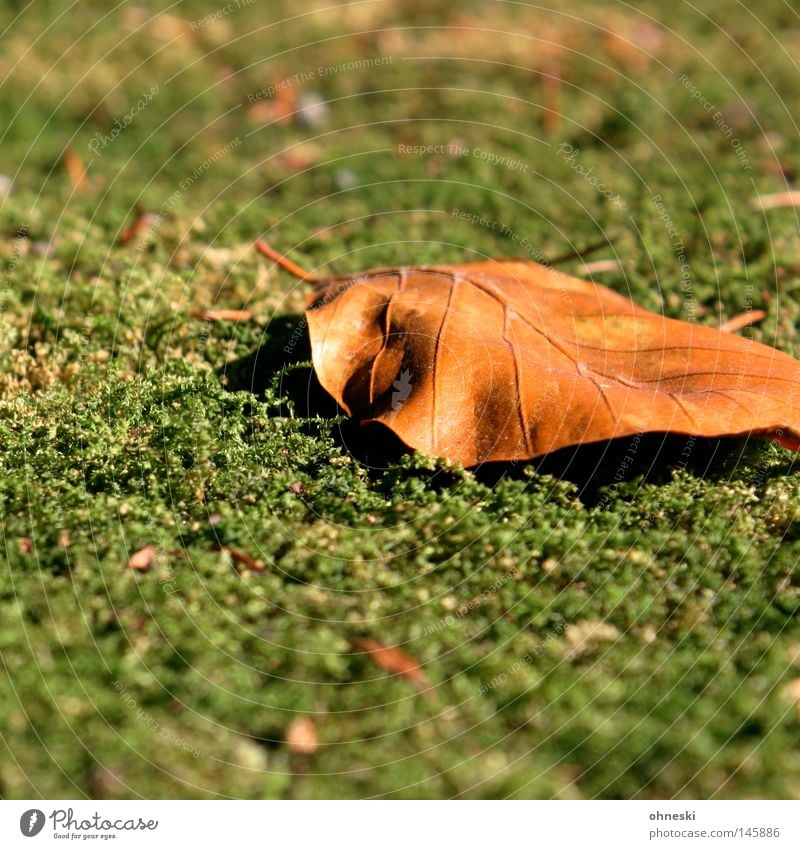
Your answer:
<point x="395" y="661"/>
<point x="509" y="360"/>
<point x="222" y="315"/>
<point x="143" y="559"/>
<point x="301" y="737"/>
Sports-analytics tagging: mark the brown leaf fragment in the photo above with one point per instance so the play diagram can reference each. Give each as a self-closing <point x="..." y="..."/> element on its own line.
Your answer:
<point x="76" y="170"/>
<point x="142" y="560"/>
<point x="791" y="692"/>
<point x="743" y="319"/>
<point x="141" y="224"/>
<point x="584" y="637"/>
<point x="280" y="108"/>
<point x="222" y="315"/>
<point x="394" y="661"/>
<point x="551" y="98"/>
<point x="776" y="200"/>
<point x="301" y="737"/>
<point x="242" y="559"/>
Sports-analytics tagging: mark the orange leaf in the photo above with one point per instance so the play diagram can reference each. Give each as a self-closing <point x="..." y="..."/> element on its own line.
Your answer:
<point x="143" y="559"/>
<point x="509" y="360"/>
<point x="301" y="738"/>
<point x="395" y="661"/>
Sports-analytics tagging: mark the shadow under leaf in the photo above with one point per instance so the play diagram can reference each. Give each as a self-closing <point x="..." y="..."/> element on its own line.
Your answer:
<point x="283" y="362"/>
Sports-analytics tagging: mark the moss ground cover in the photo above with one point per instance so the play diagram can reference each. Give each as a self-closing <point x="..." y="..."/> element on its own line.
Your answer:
<point x="617" y="623"/>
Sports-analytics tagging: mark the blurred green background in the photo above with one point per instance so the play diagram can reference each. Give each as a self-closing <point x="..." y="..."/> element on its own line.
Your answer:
<point x="582" y="637"/>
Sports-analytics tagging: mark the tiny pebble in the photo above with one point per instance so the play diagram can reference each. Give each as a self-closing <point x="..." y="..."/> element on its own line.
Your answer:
<point x="42" y="248"/>
<point x="313" y="112"/>
<point x="345" y="178"/>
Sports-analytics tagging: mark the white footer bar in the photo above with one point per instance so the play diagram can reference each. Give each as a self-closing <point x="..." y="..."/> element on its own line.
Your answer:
<point x="402" y="825"/>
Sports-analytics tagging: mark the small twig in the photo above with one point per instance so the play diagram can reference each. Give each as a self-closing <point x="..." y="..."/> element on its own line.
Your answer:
<point x="744" y="319"/>
<point x="222" y="315"/>
<point x="241" y="558"/>
<point x="601" y="265"/>
<point x="285" y="263"/>
<point x="578" y="253"/>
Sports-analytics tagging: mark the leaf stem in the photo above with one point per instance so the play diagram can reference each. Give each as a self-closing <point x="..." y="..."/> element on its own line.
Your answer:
<point x="285" y="263"/>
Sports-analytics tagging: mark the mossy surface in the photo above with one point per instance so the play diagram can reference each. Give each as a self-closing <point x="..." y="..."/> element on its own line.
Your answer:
<point x="593" y="626"/>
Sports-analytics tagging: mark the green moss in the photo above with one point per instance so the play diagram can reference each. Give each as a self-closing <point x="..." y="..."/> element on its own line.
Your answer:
<point x="585" y="637"/>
